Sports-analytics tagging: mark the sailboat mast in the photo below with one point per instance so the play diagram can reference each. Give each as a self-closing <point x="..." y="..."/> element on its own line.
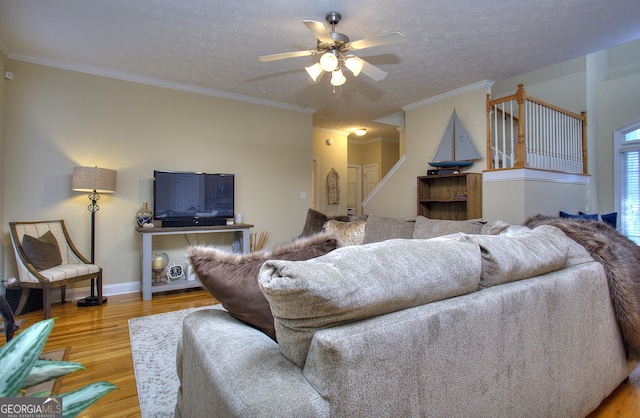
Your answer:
<point x="453" y="137"/>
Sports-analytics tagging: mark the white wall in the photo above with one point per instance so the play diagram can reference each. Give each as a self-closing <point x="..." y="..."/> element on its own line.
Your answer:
<point x="562" y="84"/>
<point x="425" y="125"/>
<point x="617" y="104"/>
<point x="57" y="119"/>
<point x="515" y="195"/>
<point x="606" y="84"/>
<point x="331" y="156"/>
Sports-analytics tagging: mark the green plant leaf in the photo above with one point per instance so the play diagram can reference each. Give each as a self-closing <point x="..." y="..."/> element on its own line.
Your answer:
<point x="45" y="370"/>
<point x="43" y="394"/>
<point x="77" y="401"/>
<point x="18" y="356"/>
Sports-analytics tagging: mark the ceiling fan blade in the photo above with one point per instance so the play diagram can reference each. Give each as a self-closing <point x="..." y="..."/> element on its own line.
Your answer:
<point x="389" y="38"/>
<point x="372" y="71"/>
<point x="320" y="30"/>
<point x="294" y="54"/>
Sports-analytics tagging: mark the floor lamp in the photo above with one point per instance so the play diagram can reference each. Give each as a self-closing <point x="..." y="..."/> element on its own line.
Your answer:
<point x="95" y="181"/>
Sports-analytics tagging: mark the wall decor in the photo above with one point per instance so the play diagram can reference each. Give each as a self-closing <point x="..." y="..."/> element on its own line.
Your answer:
<point x="333" y="187"/>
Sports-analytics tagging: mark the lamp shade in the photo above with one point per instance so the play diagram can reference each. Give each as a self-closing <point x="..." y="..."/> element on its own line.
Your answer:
<point x="88" y="179"/>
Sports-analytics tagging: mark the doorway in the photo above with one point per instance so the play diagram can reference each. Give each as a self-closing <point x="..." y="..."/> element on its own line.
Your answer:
<point x="371" y="178"/>
<point x="354" y="190"/>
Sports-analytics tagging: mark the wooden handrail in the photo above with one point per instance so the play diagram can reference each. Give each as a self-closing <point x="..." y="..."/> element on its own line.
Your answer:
<point x="520" y="147"/>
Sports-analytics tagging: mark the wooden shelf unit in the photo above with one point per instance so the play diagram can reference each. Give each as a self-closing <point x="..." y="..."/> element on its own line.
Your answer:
<point x="451" y="196"/>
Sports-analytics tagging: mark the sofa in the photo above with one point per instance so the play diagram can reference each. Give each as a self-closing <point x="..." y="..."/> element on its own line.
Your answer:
<point x="446" y="318"/>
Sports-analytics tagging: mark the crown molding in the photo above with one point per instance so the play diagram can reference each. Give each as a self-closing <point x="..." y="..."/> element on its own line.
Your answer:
<point x="486" y="84"/>
<point x="155" y="82"/>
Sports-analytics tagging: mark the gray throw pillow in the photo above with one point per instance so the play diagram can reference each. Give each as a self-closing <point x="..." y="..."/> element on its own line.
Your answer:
<point x="430" y="228"/>
<point x="521" y="256"/>
<point x="42" y="252"/>
<point x="379" y="228"/>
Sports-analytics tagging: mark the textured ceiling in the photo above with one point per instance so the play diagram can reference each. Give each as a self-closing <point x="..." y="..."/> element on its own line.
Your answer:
<point x="213" y="46"/>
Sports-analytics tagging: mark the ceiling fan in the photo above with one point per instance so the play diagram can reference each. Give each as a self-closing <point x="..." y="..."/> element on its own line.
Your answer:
<point x="334" y="49"/>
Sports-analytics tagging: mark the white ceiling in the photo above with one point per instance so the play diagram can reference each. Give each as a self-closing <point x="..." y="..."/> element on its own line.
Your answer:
<point x="212" y="46"/>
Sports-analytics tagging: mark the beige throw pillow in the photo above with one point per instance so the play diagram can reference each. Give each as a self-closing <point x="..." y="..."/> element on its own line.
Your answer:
<point x="348" y="233"/>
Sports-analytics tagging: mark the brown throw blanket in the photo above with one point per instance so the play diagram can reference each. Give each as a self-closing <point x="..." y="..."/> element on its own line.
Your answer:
<point x="621" y="259"/>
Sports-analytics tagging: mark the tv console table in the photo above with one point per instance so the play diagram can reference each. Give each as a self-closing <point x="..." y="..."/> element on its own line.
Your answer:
<point x="240" y="245"/>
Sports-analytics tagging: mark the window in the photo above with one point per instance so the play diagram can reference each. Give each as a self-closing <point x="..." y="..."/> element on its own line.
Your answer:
<point x="627" y="162"/>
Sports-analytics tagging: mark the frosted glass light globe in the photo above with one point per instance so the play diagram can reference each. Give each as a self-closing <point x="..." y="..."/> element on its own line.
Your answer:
<point x="329" y="62"/>
<point x="337" y="78"/>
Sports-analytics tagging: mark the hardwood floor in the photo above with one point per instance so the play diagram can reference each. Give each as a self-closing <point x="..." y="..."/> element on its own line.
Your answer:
<point x="99" y="339"/>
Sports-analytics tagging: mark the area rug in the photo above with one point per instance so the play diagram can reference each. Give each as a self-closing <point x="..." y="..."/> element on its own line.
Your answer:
<point x="154" y="339"/>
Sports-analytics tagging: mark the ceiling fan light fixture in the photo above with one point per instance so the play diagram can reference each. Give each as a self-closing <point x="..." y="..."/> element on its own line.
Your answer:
<point x="337" y="78"/>
<point x="354" y="64"/>
<point x="314" y="71"/>
<point x="329" y="61"/>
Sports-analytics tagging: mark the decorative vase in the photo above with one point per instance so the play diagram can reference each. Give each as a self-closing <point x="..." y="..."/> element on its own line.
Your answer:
<point x="144" y="215"/>
<point x="159" y="262"/>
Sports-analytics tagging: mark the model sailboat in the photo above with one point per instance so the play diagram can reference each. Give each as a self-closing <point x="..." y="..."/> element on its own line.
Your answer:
<point x="456" y="148"/>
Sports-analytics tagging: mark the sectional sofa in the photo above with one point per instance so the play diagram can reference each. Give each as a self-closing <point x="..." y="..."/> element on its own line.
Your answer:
<point x="489" y="320"/>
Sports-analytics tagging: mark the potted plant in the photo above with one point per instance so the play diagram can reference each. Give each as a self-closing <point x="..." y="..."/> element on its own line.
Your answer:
<point x="21" y="367"/>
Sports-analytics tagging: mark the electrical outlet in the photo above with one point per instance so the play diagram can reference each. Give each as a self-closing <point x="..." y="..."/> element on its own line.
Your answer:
<point x="303" y="195"/>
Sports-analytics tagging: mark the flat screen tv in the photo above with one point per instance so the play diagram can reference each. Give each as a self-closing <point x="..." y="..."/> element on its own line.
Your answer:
<point x="192" y="198"/>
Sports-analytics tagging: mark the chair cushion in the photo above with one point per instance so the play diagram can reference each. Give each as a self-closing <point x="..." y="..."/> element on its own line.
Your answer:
<point x="68" y="271"/>
<point x="233" y="278"/>
<point x="42" y="252"/>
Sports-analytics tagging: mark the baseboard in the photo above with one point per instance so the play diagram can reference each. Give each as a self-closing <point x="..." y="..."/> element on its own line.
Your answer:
<point x="107" y="290"/>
